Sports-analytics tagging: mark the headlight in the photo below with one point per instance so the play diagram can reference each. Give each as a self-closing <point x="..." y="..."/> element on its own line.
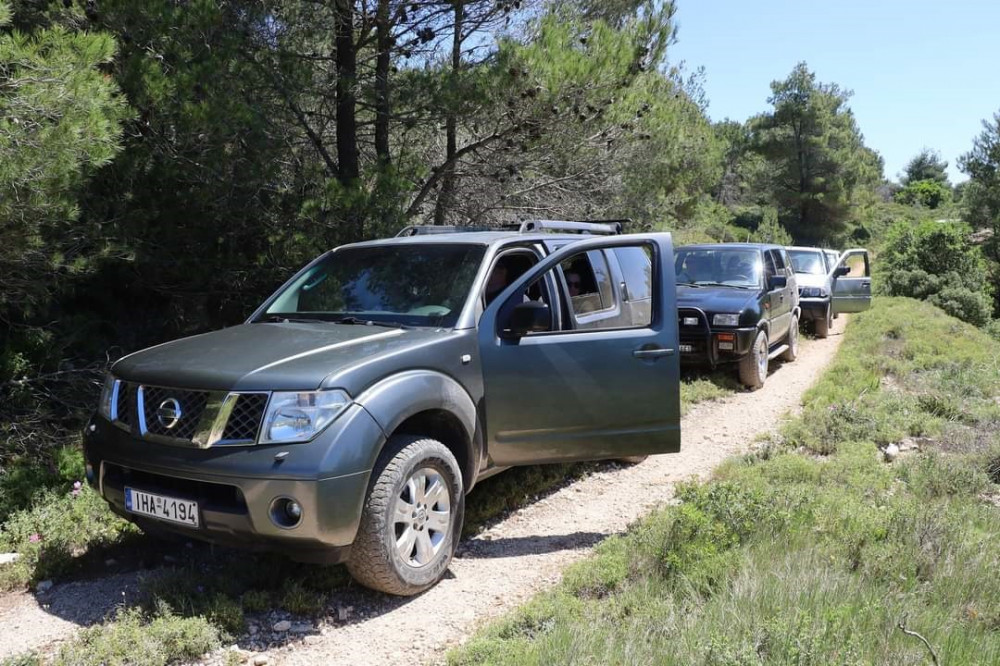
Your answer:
<point x="813" y="292"/>
<point x="107" y="397"/>
<point x="300" y="416"/>
<point x="726" y="320"/>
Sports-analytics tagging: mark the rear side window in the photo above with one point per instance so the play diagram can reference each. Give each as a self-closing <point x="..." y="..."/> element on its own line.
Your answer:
<point x="637" y="270"/>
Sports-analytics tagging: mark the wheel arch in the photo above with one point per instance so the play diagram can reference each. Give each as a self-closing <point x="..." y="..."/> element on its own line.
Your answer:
<point x="430" y="404"/>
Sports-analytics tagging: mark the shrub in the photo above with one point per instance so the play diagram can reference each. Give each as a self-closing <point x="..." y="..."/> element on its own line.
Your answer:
<point x="926" y="193"/>
<point x="934" y="261"/>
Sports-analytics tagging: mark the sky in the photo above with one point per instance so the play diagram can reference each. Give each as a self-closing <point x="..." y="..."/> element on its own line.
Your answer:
<point x="924" y="74"/>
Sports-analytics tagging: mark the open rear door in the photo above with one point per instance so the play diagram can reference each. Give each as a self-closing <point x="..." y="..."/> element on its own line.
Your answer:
<point x="583" y="386"/>
<point x="852" y="282"/>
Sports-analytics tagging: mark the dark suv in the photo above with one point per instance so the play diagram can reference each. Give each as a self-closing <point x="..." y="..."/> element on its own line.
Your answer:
<point x="737" y="303"/>
<point x="348" y="417"/>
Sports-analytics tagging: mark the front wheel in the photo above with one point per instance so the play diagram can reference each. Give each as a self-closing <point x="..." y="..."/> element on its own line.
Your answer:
<point x="753" y="366"/>
<point x="824" y="325"/>
<point x="411" y="520"/>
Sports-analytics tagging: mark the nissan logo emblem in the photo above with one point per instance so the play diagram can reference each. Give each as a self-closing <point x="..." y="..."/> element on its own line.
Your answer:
<point x="169" y="413"/>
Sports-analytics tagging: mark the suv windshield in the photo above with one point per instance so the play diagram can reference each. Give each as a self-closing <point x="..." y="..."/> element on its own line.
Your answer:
<point x="416" y="284"/>
<point x="726" y="267"/>
<point x="808" y="262"/>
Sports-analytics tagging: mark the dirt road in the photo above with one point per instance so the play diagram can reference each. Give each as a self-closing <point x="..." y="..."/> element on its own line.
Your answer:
<point x="496" y="570"/>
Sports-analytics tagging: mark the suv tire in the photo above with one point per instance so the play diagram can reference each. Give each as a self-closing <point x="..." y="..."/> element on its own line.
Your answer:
<point x="412" y="518"/>
<point x="823" y="325"/>
<point x="753" y="366"/>
<point x="792" y="341"/>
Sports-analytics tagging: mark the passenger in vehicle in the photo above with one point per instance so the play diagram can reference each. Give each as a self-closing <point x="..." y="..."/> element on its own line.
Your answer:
<point x="497" y="281"/>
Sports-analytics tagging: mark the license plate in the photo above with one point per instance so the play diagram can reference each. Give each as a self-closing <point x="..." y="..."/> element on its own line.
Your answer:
<point x="169" y="509"/>
<point x="686" y="349"/>
<point x="726" y="345"/>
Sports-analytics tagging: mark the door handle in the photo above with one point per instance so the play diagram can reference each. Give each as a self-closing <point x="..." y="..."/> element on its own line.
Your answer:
<point x="655" y="352"/>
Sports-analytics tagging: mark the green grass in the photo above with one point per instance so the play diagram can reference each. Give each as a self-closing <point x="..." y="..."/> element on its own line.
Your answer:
<point x="812" y="550"/>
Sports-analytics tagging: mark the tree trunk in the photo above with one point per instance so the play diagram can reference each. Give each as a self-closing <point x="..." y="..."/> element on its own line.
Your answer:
<point x="447" y="195"/>
<point x="383" y="45"/>
<point x="347" y="135"/>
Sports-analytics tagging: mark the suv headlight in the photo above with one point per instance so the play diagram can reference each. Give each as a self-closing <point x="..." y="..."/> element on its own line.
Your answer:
<point x="298" y="416"/>
<point x="813" y="292"/>
<point x="726" y="320"/>
<point x="107" y="396"/>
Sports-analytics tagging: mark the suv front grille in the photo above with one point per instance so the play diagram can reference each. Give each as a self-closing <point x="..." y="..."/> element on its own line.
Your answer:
<point x="157" y="401"/>
<point x="126" y="404"/>
<point x="244" y="420"/>
<point x="186" y="417"/>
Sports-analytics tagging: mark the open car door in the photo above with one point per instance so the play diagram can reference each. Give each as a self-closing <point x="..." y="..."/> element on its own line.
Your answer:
<point x="562" y="385"/>
<point x="852" y="282"/>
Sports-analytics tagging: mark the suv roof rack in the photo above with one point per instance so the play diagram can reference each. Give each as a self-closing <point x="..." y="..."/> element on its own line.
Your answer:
<point x="599" y="227"/>
<point x="425" y="229"/>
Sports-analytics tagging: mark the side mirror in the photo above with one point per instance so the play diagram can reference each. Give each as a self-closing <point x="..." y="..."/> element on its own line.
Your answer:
<point x="841" y="271"/>
<point x="777" y="282"/>
<point x="528" y="317"/>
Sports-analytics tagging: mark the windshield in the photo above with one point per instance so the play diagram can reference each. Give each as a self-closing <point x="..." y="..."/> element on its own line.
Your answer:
<point x="416" y="284"/>
<point x="808" y="262"/>
<point x="727" y="267"/>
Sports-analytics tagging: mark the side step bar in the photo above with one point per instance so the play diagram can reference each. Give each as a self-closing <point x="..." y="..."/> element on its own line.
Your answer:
<point x="777" y="351"/>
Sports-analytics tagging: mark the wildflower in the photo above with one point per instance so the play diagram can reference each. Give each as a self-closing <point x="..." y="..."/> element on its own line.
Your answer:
<point x="35" y="538"/>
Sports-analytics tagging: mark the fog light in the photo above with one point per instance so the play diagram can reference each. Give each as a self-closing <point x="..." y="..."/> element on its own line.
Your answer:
<point x="286" y="512"/>
<point x="690" y="321"/>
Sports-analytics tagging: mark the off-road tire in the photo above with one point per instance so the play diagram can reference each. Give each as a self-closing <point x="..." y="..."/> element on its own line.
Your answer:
<point x="792" y="340"/>
<point x="631" y="460"/>
<point x="822" y="326"/>
<point x="374" y="560"/>
<point x="753" y="371"/>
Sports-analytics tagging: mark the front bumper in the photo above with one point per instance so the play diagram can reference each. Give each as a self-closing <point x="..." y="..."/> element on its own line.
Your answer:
<point x="235" y="487"/>
<point x="703" y="344"/>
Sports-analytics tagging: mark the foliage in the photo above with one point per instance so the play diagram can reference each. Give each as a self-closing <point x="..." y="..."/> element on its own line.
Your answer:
<point x="815" y="149"/>
<point x="791" y="558"/>
<point x="927" y="165"/>
<point x="934" y="261"/>
<point x="140" y="640"/>
<point x="58" y="531"/>
<point x="927" y="193"/>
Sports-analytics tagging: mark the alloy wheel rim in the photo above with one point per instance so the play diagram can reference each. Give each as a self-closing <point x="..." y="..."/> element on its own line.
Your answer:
<point x="762" y="358"/>
<point x="422" y="517"/>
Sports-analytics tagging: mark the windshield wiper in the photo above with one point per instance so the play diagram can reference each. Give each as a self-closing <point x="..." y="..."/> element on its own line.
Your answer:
<point x="278" y="319"/>
<point x="721" y="284"/>
<point x="688" y="284"/>
<point x="369" y="322"/>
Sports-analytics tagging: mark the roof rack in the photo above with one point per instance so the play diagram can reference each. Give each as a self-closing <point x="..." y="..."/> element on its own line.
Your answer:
<point x="598" y="227"/>
<point x="425" y="229"/>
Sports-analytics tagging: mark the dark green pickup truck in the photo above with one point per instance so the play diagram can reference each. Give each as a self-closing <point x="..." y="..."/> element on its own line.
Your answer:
<point x="348" y="417"/>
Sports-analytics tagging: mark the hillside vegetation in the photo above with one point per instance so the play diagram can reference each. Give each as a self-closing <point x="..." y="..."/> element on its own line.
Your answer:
<point x="813" y="549"/>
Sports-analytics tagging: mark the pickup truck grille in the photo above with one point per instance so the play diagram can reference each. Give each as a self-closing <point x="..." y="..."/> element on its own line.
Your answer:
<point x="158" y="403"/>
<point x="244" y="420"/>
<point x="189" y="418"/>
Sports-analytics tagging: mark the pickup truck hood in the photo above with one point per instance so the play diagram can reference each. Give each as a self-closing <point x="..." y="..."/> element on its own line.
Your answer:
<point x="269" y="356"/>
<point x="714" y="299"/>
